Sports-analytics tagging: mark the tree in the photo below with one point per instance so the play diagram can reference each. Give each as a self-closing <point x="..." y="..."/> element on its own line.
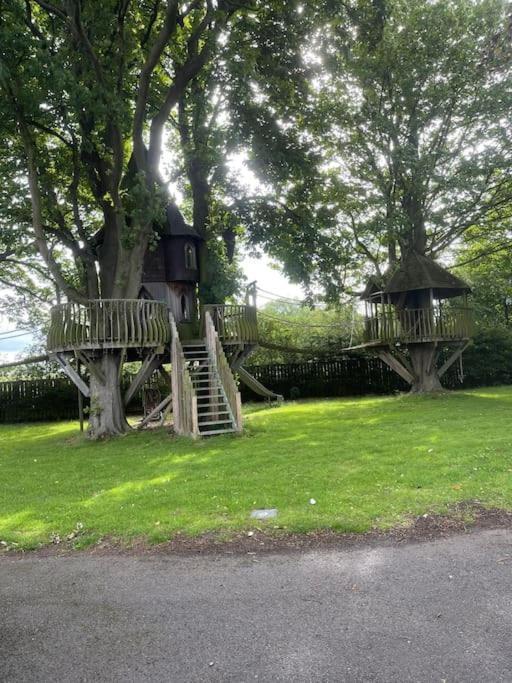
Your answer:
<point x="88" y="89"/>
<point x="413" y="114"/>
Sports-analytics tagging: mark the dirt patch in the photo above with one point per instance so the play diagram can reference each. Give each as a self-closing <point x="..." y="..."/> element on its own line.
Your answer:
<point x="462" y="518"/>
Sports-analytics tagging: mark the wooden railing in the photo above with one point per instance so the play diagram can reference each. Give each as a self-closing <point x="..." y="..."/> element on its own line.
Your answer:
<point x="184" y="399"/>
<point x="419" y="324"/>
<point x="234" y="323"/>
<point x="218" y="357"/>
<point x="109" y="323"/>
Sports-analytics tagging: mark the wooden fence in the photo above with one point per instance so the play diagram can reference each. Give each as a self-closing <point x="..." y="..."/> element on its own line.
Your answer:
<point x="351" y="376"/>
<point x="56" y="398"/>
<point x="45" y="400"/>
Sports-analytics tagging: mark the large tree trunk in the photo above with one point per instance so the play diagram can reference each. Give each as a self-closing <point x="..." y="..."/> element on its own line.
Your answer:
<point x="107" y="413"/>
<point x="424" y="364"/>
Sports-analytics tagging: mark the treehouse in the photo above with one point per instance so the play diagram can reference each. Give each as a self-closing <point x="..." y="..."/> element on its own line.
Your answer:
<point x="204" y="345"/>
<point x="421" y="308"/>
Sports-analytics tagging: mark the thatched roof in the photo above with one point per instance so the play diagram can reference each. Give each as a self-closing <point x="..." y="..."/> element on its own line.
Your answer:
<point x="417" y="272"/>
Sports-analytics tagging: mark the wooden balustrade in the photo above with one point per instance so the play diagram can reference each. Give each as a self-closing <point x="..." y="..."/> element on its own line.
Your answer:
<point x="391" y="325"/>
<point x="234" y="323"/>
<point x="216" y="353"/>
<point x="184" y="398"/>
<point x="109" y="323"/>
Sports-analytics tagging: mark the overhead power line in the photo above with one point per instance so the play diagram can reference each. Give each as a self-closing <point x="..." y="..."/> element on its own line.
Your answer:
<point x="13" y="331"/>
<point x="14" y="336"/>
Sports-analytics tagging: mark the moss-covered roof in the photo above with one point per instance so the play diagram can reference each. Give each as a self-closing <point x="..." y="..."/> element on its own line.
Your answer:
<point x="415" y="272"/>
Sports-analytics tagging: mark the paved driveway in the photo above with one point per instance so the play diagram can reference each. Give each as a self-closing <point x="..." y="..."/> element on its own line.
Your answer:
<point x="437" y="611"/>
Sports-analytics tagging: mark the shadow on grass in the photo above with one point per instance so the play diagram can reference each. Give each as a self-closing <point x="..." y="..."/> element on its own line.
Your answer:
<point x="363" y="459"/>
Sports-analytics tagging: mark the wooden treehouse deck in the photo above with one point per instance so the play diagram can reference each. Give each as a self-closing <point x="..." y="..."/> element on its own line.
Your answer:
<point x="391" y="326"/>
<point x="204" y="398"/>
<point x="139" y="324"/>
<point x="108" y="324"/>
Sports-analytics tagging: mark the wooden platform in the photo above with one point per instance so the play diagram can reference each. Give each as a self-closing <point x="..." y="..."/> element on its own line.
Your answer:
<point x="108" y="324"/>
<point x="392" y="326"/>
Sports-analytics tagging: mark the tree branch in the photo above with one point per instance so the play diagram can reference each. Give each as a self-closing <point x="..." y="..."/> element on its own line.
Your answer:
<point x="152" y="59"/>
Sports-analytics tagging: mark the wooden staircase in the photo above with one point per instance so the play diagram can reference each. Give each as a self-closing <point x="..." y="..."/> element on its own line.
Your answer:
<point x="214" y="415"/>
<point x="205" y="397"/>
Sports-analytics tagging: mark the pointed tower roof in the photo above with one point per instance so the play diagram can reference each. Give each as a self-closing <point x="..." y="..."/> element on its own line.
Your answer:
<point x="175" y="225"/>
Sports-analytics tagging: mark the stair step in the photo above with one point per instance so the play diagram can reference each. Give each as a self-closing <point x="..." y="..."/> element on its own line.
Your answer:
<point x="203" y="381"/>
<point x="217" y="400"/>
<point x="216" y="422"/>
<point x="215" y="412"/>
<point x="213" y="432"/>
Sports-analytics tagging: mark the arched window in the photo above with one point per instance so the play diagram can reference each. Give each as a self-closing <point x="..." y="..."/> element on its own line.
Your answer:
<point x="190" y="256"/>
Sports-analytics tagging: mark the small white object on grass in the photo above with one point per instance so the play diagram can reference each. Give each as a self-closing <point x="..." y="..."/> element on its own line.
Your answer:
<point x="312" y="501"/>
<point x="267" y="513"/>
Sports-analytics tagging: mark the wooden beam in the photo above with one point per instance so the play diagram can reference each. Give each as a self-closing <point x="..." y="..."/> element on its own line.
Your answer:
<point x="149" y="365"/>
<point x="155" y="411"/>
<point x="25" y="361"/>
<point x="404" y="360"/>
<point x="240" y="359"/>
<point x="451" y="360"/>
<point x="93" y="369"/>
<point x="71" y="373"/>
<point x="395" y="365"/>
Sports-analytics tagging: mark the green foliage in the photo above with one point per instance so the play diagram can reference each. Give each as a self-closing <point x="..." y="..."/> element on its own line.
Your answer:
<point x="487" y="257"/>
<point x="489" y="358"/>
<point x="316" y="332"/>
<point x="367" y="462"/>
<point x="413" y="117"/>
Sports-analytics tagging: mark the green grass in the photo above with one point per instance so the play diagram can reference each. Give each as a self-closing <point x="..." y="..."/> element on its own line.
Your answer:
<point x="367" y="462"/>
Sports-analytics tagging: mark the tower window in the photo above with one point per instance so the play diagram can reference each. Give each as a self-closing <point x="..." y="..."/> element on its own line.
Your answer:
<point x="190" y="256"/>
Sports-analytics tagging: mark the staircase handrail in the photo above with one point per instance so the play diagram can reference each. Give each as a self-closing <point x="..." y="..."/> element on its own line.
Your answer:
<point x="184" y="398"/>
<point x="219" y="360"/>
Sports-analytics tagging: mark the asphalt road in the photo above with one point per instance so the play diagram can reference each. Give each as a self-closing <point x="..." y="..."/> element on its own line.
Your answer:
<point x="437" y="611"/>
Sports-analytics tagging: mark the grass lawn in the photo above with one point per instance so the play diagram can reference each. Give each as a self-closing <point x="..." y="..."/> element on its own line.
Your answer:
<point x="367" y="462"/>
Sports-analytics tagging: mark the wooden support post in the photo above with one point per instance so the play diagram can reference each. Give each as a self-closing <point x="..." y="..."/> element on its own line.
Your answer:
<point x="451" y="360"/>
<point x="395" y="365"/>
<point x="93" y="369"/>
<point x="404" y="360"/>
<point x="149" y="365"/>
<point x="80" y="402"/>
<point x="72" y="374"/>
<point x="155" y="411"/>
